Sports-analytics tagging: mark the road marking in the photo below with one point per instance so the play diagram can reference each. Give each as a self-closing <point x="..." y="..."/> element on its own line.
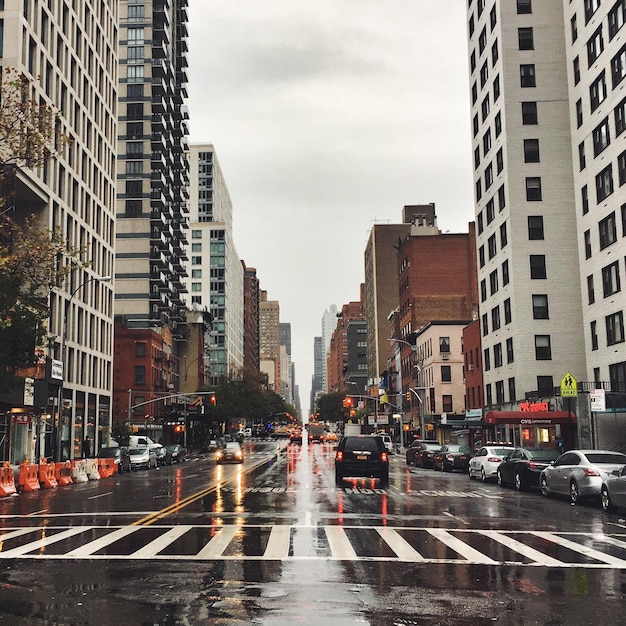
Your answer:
<point x="218" y="543"/>
<point x="523" y="549"/>
<point x="154" y="547"/>
<point x="460" y="547"/>
<point x="42" y="542"/>
<point x="577" y="547"/>
<point x="403" y="549"/>
<point x="98" y="544"/>
<point x="340" y="546"/>
<point x="278" y="544"/>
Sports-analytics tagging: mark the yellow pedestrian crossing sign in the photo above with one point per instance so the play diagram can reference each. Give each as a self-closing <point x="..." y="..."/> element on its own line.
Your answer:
<point x="569" y="386"/>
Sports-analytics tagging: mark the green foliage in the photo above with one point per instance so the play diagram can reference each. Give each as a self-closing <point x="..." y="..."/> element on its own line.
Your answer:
<point x="330" y="407"/>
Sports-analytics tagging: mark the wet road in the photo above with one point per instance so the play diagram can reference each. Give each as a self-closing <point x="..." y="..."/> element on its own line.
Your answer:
<point x="276" y="542"/>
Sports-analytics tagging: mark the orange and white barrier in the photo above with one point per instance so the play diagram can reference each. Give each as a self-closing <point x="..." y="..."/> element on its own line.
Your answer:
<point x="7" y="481"/>
<point x="27" y="479"/>
<point x="47" y="479"/>
<point x="92" y="469"/>
<point x="79" y="471"/>
<point x="106" y="467"/>
<point x="63" y="473"/>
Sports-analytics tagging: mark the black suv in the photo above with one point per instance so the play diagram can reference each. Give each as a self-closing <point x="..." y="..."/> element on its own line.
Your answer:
<point x="361" y="455"/>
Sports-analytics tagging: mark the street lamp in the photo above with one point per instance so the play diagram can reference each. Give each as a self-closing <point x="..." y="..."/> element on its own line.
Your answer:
<point x="68" y="305"/>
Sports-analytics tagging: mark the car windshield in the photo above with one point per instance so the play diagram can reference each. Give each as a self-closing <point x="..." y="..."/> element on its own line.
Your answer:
<point x="614" y="458"/>
<point x="172" y="448"/>
<point x="501" y="451"/>
<point x="232" y="445"/>
<point x="361" y="443"/>
<point x="135" y="451"/>
<point x="543" y="455"/>
<point x="108" y="452"/>
<point x="432" y="446"/>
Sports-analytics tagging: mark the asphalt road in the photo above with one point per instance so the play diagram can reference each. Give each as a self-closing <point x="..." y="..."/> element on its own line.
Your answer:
<point x="276" y="542"/>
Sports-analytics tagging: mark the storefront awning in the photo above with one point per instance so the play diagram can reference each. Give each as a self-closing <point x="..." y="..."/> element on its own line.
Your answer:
<point x="530" y="418"/>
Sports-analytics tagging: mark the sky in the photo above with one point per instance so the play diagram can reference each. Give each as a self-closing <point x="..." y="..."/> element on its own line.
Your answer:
<point x="328" y="117"/>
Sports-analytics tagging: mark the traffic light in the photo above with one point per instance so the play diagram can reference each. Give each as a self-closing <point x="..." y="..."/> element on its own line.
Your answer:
<point x="408" y="396"/>
<point x="348" y="403"/>
<point x="212" y="400"/>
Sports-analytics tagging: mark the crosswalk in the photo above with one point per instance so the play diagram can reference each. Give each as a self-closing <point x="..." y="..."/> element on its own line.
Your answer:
<point x="327" y="542"/>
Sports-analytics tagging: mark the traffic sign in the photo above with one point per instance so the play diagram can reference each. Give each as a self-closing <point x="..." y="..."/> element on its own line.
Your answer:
<point x="569" y="386"/>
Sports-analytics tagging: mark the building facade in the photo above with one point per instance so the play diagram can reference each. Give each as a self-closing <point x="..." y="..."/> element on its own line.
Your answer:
<point x="251" y="356"/>
<point x="68" y="53"/>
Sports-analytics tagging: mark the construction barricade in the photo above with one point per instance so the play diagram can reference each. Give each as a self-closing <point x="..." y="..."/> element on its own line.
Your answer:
<point x="47" y="479"/>
<point x="27" y="479"/>
<point x="106" y="467"/>
<point x="63" y="473"/>
<point x="79" y="471"/>
<point x="92" y="469"/>
<point x="7" y="481"/>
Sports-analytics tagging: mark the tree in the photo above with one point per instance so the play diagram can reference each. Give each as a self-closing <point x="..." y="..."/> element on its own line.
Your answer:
<point x="330" y="407"/>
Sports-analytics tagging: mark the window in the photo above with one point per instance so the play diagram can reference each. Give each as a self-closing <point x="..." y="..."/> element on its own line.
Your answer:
<point x="617" y="376"/>
<point x="505" y="273"/>
<point x="446" y="374"/>
<point x="507" y="311"/>
<point x="537" y="266"/>
<point x="597" y="92"/>
<point x="545" y="386"/>
<point x="446" y="403"/>
<point x="617" y="17"/>
<point x="486" y="359"/>
<point x="579" y="113"/>
<point x="485" y="325"/>
<point x="479" y="190"/>
<point x="608" y="231"/>
<point x="493" y="282"/>
<point x="529" y="113"/>
<point x="499" y="161"/>
<point x="574" y="28"/>
<point x="134" y="73"/>
<point x="481" y="256"/>
<point x="501" y="198"/>
<point x="484" y="74"/>
<point x="495" y="318"/>
<point x="140" y="375"/>
<point x="525" y="38"/>
<point x="543" y="351"/>
<point x="480" y="223"/>
<point x="475" y="125"/>
<point x="140" y="348"/>
<point x="524" y="6"/>
<point x="483" y="290"/>
<point x="484" y="107"/>
<point x="587" y="239"/>
<point x="604" y="183"/>
<point x="494" y="52"/>
<point x="535" y="227"/>
<point x="620" y="117"/>
<point x="594" y="334"/>
<point x="497" y="123"/>
<point x="444" y="344"/>
<point x="533" y="188"/>
<point x="134" y="167"/>
<point x="492" y="246"/>
<point x="488" y="176"/>
<point x="134" y="130"/>
<point x="610" y="279"/>
<point x="196" y="274"/>
<point x="491" y="211"/>
<point x="591" y="292"/>
<point x="540" y="306"/>
<point x="496" y="88"/>
<point x="531" y="150"/>
<point x="134" y="147"/>
<point x="482" y="40"/>
<point x="487" y="142"/>
<point x="621" y="168"/>
<point x="618" y="66"/>
<point x="474" y="93"/>
<point x="595" y="46"/>
<point x="133" y="188"/>
<point x="576" y="64"/>
<point x="135" y="35"/>
<point x="196" y="247"/>
<point x="582" y="161"/>
<point x="134" y="110"/>
<point x="614" y="328"/>
<point x="497" y="355"/>
<point x="503" y="235"/>
<point x="623" y="220"/>
<point x="135" y="53"/>
<point x="493" y="20"/>
<point x="134" y="91"/>
<point x="527" y="75"/>
<point x="509" y="351"/>
<point x="591" y="6"/>
<point x="195" y="287"/>
<point x="476" y="157"/>
<point x="601" y="137"/>
<point x="584" y="198"/>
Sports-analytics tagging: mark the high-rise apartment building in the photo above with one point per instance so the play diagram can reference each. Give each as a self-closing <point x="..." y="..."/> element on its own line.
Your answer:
<point x="216" y="276"/>
<point x="269" y="340"/>
<point x="316" y="379"/>
<point x="68" y="50"/>
<point x="526" y="222"/>
<point x="153" y="168"/>
<point x="329" y="323"/>
<point x="251" y="357"/>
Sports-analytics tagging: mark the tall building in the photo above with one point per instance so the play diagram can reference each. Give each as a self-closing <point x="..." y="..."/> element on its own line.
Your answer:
<point x="70" y="57"/>
<point x="329" y="323"/>
<point x="286" y="368"/>
<point x="269" y="340"/>
<point x="153" y="168"/>
<point x="251" y="357"/>
<point x="216" y="280"/>
<point x="526" y="218"/>
<point x="317" y="388"/>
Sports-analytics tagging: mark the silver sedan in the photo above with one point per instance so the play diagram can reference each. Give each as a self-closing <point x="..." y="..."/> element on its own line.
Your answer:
<point x="580" y="473"/>
<point x="613" y="491"/>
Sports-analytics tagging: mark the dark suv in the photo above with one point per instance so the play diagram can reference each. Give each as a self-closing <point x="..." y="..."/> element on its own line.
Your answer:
<point x="361" y="455"/>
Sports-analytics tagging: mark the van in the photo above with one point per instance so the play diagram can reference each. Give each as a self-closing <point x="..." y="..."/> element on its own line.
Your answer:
<point x="141" y="441"/>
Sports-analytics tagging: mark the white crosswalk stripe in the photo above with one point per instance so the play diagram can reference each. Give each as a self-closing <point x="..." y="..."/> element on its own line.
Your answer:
<point x="336" y="542"/>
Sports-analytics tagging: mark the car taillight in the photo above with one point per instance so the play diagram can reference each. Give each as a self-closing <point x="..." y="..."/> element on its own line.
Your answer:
<point x="450" y="457"/>
<point x="383" y="457"/>
<point x="589" y="471"/>
<point x="494" y="459"/>
<point x="339" y="455"/>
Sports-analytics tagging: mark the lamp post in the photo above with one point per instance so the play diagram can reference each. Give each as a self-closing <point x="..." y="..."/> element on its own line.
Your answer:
<point x="59" y="427"/>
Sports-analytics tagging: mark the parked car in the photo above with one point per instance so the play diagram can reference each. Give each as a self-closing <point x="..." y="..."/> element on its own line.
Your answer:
<point x="523" y="467"/>
<point x="580" y="473"/>
<point x="613" y="490"/>
<point x="388" y="443"/>
<point x="361" y="455"/>
<point x="164" y="456"/>
<point x="416" y="448"/>
<point x="177" y="451"/>
<point x="119" y="454"/>
<point x="484" y="464"/>
<point x="452" y="456"/>
<point x="231" y="452"/>
<point x="142" y="457"/>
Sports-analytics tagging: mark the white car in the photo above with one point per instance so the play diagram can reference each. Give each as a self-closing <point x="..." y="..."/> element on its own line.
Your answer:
<point x="484" y="464"/>
<point x="388" y="443"/>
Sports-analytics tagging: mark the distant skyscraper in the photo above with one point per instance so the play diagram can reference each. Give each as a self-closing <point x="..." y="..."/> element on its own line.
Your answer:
<point x="216" y="276"/>
<point x="329" y="323"/>
<point x="318" y="371"/>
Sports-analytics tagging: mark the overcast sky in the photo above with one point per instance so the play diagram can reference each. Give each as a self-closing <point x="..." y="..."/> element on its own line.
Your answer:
<point x="328" y="117"/>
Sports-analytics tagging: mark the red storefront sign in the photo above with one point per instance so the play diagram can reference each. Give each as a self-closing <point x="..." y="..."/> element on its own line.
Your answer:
<point x="22" y="418"/>
<point x="530" y="418"/>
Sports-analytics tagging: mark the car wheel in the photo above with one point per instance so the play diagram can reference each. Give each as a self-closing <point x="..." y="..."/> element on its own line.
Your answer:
<point x="518" y="482"/>
<point x="338" y="478"/>
<point x="574" y="494"/>
<point x="499" y="479"/>
<point x="483" y="476"/>
<point x="384" y="479"/>
<point x="605" y="499"/>
<point x="545" y="491"/>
